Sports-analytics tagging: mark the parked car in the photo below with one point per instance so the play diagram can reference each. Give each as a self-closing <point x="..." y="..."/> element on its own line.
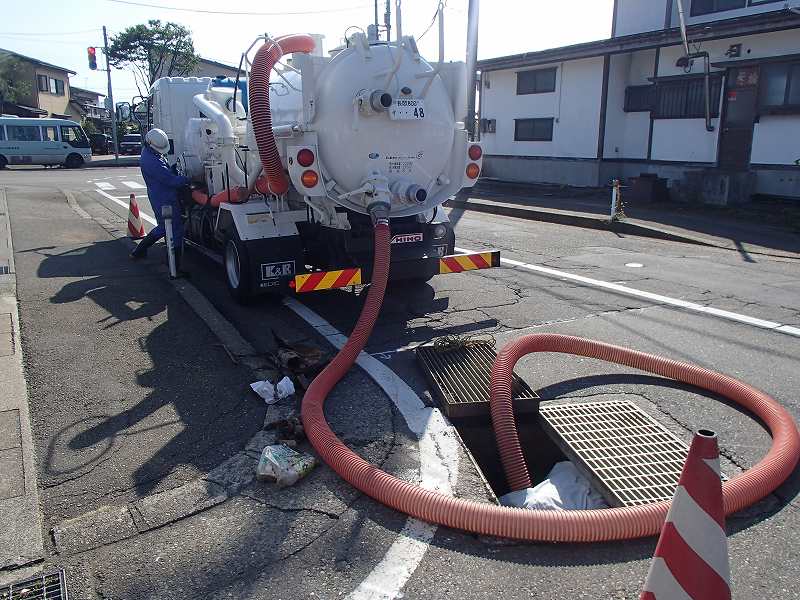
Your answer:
<point x="42" y="142"/>
<point x="101" y="143"/>
<point x="131" y="144"/>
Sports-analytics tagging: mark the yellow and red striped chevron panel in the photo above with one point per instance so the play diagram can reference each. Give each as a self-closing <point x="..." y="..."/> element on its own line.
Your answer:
<point x="327" y="280"/>
<point x="469" y="262"/>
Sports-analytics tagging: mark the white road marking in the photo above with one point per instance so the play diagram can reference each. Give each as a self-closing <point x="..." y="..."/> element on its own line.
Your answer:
<point x="438" y="465"/>
<point x="134" y="185"/>
<point x="104" y="185"/>
<point x="124" y="205"/>
<point x="629" y="291"/>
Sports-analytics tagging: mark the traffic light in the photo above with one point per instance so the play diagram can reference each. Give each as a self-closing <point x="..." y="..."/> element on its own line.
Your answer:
<point x="91" y="52"/>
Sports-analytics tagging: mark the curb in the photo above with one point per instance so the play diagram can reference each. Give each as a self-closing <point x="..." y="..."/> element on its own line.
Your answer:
<point x="563" y="217"/>
<point x="123" y="162"/>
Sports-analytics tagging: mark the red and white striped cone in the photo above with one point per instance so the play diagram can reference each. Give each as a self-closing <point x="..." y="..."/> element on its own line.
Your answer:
<point x="691" y="559"/>
<point x="135" y="226"/>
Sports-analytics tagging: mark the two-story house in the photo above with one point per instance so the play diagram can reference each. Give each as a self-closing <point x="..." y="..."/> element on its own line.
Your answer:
<point x="86" y="104"/>
<point x="632" y="104"/>
<point x="49" y="94"/>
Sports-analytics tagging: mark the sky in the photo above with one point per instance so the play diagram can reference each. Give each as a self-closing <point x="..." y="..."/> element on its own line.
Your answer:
<point x="59" y="32"/>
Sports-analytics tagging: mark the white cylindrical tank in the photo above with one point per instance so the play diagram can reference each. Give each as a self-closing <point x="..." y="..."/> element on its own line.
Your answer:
<point x="377" y="109"/>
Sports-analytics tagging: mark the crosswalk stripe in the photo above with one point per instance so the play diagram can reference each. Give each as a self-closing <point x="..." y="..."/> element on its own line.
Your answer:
<point x="134" y="185"/>
<point x="104" y="185"/>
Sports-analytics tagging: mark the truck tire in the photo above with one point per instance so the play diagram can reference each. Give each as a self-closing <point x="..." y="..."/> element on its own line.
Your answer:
<point x="237" y="269"/>
<point x="3" y="162"/>
<point x="73" y="161"/>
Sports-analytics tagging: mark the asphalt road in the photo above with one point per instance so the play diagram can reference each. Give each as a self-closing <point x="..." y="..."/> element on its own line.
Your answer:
<point x="286" y="546"/>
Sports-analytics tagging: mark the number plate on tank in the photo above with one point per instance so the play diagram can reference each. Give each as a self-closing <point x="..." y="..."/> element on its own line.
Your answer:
<point x="407" y="109"/>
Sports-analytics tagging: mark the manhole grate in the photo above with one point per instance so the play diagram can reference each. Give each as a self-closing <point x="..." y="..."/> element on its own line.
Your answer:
<point x="629" y="456"/>
<point x="460" y="378"/>
<point x="52" y="586"/>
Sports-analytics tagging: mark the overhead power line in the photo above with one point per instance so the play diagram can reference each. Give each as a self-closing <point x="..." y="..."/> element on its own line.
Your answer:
<point x="244" y="13"/>
<point x="46" y="33"/>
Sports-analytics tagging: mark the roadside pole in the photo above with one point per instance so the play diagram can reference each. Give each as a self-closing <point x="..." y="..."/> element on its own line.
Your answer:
<point x="111" y="99"/>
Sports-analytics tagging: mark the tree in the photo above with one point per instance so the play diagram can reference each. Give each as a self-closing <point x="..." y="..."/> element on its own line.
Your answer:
<point x="13" y="87"/>
<point x="153" y="50"/>
<point x="88" y="126"/>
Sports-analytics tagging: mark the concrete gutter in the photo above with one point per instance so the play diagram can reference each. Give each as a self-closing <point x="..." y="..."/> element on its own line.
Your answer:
<point x="566" y="217"/>
<point x="21" y="540"/>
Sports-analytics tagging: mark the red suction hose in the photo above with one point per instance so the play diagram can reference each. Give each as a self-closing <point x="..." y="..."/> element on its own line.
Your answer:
<point x="266" y="58"/>
<point x="537" y="525"/>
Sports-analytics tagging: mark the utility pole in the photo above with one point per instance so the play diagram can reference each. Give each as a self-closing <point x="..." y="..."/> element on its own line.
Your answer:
<point x="472" y="60"/>
<point x="111" y="98"/>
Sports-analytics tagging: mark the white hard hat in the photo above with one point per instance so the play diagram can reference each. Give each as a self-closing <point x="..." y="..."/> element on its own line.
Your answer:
<point x="157" y="140"/>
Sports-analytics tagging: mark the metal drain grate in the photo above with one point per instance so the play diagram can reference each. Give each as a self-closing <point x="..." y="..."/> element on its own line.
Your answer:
<point x="52" y="586"/>
<point x="629" y="457"/>
<point x="460" y="378"/>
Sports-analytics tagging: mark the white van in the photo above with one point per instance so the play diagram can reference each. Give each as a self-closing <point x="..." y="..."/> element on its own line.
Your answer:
<point x="42" y="142"/>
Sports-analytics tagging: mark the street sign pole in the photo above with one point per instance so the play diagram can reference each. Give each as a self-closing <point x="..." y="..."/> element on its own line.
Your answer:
<point x="111" y="99"/>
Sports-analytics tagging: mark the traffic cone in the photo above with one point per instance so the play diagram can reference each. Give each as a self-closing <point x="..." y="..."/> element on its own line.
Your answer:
<point x="691" y="559"/>
<point x="135" y="227"/>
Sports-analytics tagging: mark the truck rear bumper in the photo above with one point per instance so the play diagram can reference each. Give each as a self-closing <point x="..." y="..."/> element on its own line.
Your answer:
<point x="423" y="268"/>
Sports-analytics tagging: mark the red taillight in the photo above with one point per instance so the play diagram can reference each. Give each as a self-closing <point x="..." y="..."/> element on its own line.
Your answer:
<point x="292" y="283"/>
<point x="475" y="152"/>
<point x="473" y="171"/>
<point x="310" y="178"/>
<point x="305" y="157"/>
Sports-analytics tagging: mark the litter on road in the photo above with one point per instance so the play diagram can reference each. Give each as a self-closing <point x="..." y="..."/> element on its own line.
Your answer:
<point x="284" y="466"/>
<point x="273" y="393"/>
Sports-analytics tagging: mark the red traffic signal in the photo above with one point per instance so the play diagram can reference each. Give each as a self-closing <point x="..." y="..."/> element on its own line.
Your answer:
<point x="91" y="52"/>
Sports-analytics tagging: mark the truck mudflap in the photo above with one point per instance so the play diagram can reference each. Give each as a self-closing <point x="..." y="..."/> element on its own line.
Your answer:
<point x="455" y="263"/>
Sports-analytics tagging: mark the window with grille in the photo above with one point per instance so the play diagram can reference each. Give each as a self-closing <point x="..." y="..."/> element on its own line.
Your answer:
<point x="685" y="98"/>
<point x="639" y="98"/>
<point x="539" y="81"/>
<point x="533" y="130"/>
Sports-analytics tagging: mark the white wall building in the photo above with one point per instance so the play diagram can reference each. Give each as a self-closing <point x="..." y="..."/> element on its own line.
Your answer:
<point x="585" y="114"/>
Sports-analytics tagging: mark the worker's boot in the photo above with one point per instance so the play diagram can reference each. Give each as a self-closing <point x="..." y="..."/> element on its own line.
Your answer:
<point x="140" y="251"/>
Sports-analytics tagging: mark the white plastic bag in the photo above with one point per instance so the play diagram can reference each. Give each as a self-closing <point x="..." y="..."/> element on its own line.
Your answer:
<point x="564" y="489"/>
<point x="266" y="390"/>
<point x="283" y="465"/>
<point x="284" y="388"/>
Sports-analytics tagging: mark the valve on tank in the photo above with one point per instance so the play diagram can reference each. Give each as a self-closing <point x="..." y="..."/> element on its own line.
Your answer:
<point x="411" y="192"/>
<point x="373" y="102"/>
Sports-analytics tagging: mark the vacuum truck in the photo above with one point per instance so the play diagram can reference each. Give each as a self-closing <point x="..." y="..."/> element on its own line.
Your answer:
<point x="294" y="160"/>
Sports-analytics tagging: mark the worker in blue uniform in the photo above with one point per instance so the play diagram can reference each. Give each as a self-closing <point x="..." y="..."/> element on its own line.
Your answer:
<point x="162" y="190"/>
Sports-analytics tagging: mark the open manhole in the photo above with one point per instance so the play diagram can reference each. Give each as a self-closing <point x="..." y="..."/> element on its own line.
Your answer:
<point x="459" y="375"/>
<point x="629" y="457"/>
<point x="52" y="586"/>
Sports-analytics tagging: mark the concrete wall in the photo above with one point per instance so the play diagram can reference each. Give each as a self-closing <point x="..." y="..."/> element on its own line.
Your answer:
<point x="543" y="170"/>
<point x="51" y="102"/>
<point x="574" y="106"/>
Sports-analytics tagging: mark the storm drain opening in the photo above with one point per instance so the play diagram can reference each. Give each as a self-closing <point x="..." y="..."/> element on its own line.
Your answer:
<point x="459" y="375"/>
<point x="628" y="456"/>
<point x="52" y="586"/>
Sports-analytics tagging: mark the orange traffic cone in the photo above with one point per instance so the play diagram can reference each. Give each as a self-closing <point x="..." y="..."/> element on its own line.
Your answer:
<point x="691" y="559"/>
<point x="135" y="227"/>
